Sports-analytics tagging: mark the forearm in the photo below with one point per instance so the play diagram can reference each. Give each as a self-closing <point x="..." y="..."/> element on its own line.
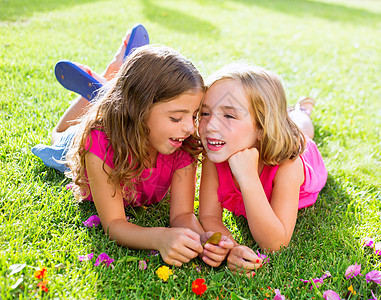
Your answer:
<point x="134" y="236"/>
<point x="187" y="220"/>
<point x="266" y="228"/>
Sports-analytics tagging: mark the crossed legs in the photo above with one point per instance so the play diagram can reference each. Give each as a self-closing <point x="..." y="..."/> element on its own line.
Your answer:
<point x="80" y="105"/>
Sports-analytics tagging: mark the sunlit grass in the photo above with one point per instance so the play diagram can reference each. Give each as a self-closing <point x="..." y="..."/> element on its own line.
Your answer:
<point x="325" y="49"/>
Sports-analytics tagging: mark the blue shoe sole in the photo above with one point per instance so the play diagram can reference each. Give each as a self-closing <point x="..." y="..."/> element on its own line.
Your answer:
<point x="75" y="79"/>
<point x="139" y="37"/>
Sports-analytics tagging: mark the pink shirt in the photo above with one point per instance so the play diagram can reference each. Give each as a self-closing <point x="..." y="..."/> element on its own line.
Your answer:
<point x="315" y="177"/>
<point x="153" y="189"/>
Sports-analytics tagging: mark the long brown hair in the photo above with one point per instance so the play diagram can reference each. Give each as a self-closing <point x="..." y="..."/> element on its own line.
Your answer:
<point x="281" y="139"/>
<point x="150" y="75"/>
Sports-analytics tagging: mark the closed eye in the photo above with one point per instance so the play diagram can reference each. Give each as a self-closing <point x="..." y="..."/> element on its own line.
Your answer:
<point x="174" y="120"/>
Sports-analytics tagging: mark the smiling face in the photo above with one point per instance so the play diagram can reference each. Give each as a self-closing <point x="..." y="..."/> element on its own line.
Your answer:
<point x="226" y="125"/>
<point x="170" y="123"/>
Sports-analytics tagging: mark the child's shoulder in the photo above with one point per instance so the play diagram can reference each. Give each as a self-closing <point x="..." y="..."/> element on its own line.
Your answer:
<point x="291" y="168"/>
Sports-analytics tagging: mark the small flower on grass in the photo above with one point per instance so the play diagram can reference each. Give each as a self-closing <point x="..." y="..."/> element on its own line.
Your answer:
<point x="142" y="265"/>
<point x="105" y="259"/>
<point x="377" y="249"/>
<point x="278" y="295"/>
<point x="263" y="257"/>
<point x="86" y="257"/>
<point x="353" y="271"/>
<point x="153" y="253"/>
<point x="331" y="295"/>
<point x="374" y="297"/>
<point x="92" y="221"/>
<point x="164" y="272"/>
<point x="367" y="241"/>
<point x="42" y="285"/>
<point x="41" y="273"/>
<point x="374" y="276"/>
<point x="199" y="287"/>
<point x="196" y="267"/>
<point x="352" y="290"/>
<point x="318" y="281"/>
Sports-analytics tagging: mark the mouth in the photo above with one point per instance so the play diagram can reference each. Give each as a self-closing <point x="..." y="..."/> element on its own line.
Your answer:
<point x="214" y="144"/>
<point x="176" y="142"/>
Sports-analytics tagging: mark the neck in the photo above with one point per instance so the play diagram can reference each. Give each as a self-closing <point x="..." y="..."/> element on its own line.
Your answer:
<point x="152" y="156"/>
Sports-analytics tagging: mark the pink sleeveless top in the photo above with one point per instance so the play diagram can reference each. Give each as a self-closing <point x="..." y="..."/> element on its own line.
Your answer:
<point x="157" y="179"/>
<point x="315" y="177"/>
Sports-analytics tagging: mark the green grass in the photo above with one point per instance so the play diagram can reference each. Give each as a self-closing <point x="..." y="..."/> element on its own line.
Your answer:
<point x="326" y="49"/>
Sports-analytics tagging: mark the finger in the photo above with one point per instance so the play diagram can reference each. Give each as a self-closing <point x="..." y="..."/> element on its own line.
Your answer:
<point x="211" y="262"/>
<point x="193" y="235"/>
<point x="228" y="244"/>
<point x="216" y="249"/>
<point x="243" y="265"/>
<point x="193" y="245"/>
<point x="251" y="257"/>
<point x="213" y="256"/>
<point x="181" y="257"/>
<point x="173" y="262"/>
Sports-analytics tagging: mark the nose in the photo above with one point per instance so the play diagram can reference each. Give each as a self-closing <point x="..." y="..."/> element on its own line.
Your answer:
<point x="189" y="126"/>
<point x="211" y="124"/>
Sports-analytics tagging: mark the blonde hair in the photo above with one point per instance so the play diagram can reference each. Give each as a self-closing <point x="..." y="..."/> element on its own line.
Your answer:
<point x="281" y="139"/>
<point x="151" y="74"/>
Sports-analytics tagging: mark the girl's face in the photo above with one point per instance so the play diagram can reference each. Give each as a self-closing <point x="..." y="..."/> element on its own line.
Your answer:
<point x="226" y="125"/>
<point x="170" y="123"/>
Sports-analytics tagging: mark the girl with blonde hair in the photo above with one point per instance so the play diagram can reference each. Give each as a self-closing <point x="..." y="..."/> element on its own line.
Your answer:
<point x="260" y="160"/>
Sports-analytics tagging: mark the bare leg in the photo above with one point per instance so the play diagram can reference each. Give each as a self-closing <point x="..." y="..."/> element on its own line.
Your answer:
<point x="80" y="105"/>
<point x="117" y="61"/>
<point x="76" y="109"/>
<point x="301" y="116"/>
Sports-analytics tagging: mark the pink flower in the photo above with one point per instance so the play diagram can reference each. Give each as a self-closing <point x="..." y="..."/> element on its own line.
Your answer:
<point x="153" y="253"/>
<point x="318" y="281"/>
<point x="377" y="249"/>
<point x="263" y="257"/>
<point x="331" y="295"/>
<point x="374" y="276"/>
<point x="353" y="271"/>
<point x="142" y="265"/>
<point x="367" y="241"/>
<point x="92" y="221"/>
<point x="103" y="258"/>
<point x="374" y="297"/>
<point x="278" y="295"/>
<point x="86" y="257"/>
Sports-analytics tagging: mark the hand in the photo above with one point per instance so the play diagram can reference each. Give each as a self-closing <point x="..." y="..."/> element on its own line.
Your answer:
<point x="214" y="255"/>
<point x="179" y="245"/>
<point x="243" y="163"/>
<point x="242" y="259"/>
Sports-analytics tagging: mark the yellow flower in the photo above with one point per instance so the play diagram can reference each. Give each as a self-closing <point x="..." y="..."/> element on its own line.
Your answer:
<point x="163" y="272"/>
<point x="352" y="290"/>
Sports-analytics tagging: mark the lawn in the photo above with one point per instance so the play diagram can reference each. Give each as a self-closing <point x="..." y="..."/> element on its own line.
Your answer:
<point x="325" y="49"/>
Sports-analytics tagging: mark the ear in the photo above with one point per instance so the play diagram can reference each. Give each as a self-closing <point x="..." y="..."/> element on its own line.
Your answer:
<point x="260" y="134"/>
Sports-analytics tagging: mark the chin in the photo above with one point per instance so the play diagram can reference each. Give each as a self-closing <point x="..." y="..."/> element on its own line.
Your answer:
<point x="216" y="158"/>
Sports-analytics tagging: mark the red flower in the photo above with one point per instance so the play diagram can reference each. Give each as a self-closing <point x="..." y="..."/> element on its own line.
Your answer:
<point x="40" y="273"/>
<point x="42" y="285"/>
<point x="199" y="287"/>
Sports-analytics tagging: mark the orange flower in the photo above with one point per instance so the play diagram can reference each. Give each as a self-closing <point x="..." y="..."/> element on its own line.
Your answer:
<point x="42" y="285"/>
<point x="39" y="274"/>
<point x="199" y="287"/>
